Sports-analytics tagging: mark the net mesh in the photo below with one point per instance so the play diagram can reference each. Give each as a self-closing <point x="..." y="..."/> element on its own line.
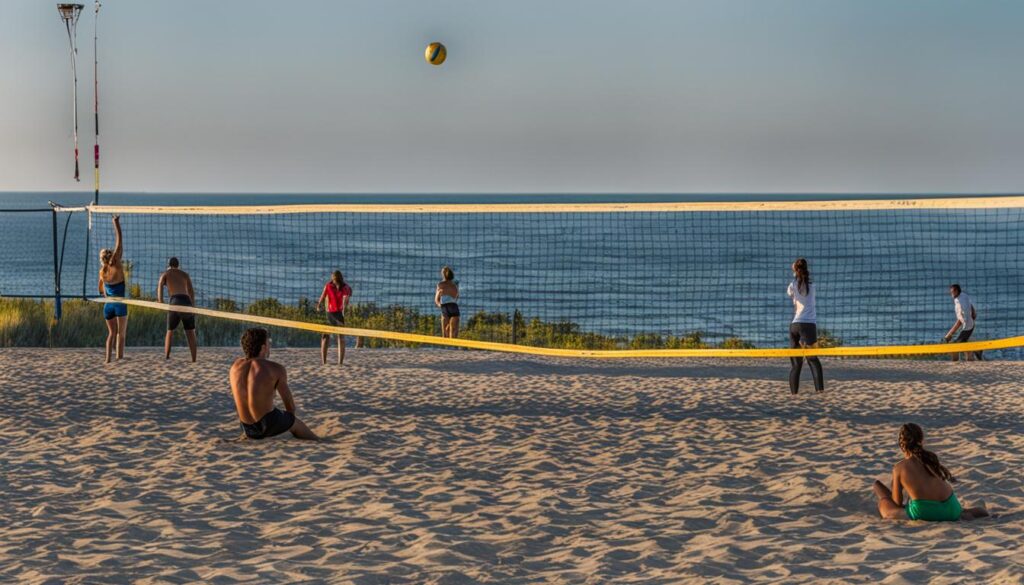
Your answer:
<point x="600" y="279"/>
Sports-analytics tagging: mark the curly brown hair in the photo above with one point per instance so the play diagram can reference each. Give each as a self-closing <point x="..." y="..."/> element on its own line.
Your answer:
<point x="253" y="341"/>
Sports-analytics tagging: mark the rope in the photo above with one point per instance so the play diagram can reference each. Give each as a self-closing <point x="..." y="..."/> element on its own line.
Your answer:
<point x="938" y="348"/>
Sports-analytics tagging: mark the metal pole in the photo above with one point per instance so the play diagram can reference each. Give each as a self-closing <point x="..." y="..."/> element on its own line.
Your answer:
<point x="515" y="319"/>
<point x="85" y="268"/>
<point x="56" y="269"/>
<point x="96" y="103"/>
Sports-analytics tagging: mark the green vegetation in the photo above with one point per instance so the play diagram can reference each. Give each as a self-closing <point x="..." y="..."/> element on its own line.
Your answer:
<point x="29" y="323"/>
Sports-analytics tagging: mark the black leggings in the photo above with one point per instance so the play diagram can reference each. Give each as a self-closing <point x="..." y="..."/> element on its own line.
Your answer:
<point x="807" y="333"/>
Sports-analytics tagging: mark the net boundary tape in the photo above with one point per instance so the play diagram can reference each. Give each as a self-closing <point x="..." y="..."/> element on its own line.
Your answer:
<point x="938" y="348"/>
<point x="993" y="202"/>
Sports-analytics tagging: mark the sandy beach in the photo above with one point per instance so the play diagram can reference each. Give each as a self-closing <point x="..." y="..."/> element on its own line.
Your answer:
<point x="471" y="467"/>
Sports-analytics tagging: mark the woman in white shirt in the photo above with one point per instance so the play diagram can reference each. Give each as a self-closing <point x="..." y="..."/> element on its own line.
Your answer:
<point x="803" y="331"/>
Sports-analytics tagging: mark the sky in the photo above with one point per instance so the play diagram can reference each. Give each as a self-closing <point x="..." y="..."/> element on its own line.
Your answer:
<point x="537" y="96"/>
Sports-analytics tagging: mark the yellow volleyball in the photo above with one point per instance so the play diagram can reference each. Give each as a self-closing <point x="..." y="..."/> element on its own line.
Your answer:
<point x="435" y="53"/>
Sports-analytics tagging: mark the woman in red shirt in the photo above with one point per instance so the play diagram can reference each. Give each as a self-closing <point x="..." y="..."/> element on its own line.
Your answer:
<point x="337" y="293"/>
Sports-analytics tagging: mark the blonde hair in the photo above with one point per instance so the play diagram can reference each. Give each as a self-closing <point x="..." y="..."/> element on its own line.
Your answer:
<point x="105" y="255"/>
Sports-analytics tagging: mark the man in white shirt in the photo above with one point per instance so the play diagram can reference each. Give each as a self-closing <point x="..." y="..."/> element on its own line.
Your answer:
<point x="965" y="316"/>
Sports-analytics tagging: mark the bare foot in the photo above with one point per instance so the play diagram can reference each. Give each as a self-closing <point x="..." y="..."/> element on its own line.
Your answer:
<point x="979" y="511"/>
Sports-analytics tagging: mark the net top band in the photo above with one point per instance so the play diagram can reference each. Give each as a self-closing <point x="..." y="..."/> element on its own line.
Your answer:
<point x="994" y="202"/>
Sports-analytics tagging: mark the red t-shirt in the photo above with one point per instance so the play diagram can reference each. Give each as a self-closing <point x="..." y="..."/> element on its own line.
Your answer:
<point x="335" y="296"/>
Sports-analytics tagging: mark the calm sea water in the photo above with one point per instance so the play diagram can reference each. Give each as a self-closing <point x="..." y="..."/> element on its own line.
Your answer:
<point x="882" y="277"/>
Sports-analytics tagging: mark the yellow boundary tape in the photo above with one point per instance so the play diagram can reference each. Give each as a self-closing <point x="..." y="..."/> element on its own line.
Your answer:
<point x="1003" y="201"/>
<point x="939" y="348"/>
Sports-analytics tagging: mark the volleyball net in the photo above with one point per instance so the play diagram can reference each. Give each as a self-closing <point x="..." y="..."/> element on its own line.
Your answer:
<point x="638" y="279"/>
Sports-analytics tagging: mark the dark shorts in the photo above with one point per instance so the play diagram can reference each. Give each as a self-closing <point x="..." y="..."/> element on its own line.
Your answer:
<point x="113" y="310"/>
<point x="273" y="423"/>
<point x="337" y="319"/>
<point x="187" y="319"/>
<point x="805" y="333"/>
<point x="334" y="319"/>
<point x="450" y="309"/>
<point x="964" y="335"/>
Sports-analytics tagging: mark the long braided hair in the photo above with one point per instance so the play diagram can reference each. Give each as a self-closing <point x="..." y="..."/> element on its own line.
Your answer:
<point x="911" y="439"/>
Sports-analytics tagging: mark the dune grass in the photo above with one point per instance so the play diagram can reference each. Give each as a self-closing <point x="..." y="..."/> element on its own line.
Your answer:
<point x="30" y="323"/>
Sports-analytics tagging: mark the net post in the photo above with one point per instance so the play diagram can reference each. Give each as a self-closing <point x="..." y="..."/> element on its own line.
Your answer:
<point x="85" y="265"/>
<point x="56" y="265"/>
<point x="515" y="323"/>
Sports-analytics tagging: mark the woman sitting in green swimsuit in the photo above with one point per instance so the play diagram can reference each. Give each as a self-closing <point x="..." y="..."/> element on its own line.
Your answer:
<point x="926" y="483"/>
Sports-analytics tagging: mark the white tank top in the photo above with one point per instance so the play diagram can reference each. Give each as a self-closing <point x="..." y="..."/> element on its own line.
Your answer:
<point x="803" y="304"/>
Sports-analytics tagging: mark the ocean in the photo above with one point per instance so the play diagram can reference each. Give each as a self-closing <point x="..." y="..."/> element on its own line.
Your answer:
<point x="882" y="277"/>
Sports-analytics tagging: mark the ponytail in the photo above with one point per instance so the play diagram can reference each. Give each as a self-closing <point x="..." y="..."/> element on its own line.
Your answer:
<point x="911" y="438"/>
<point x="803" y="276"/>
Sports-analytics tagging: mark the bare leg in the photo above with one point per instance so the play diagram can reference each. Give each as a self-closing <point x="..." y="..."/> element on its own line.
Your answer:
<point x="453" y="327"/>
<point x="122" y="329"/>
<point x="444" y="326"/>
<point x="341" y="349"/>
<point x="325" y="340"/>
<point x="168" y="339"/>
<point x="111" y="336"/>
<point x="887" y="508"/>
<point x="190" y="335"/>
<point x="300" y="431"/>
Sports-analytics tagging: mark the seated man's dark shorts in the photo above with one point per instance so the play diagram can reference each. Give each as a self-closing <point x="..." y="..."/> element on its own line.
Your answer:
<point x="273" y="423"/>
<point x="187" y="319"/>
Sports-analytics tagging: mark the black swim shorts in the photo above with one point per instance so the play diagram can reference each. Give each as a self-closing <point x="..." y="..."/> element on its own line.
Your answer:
<point x="273" y="423"/>
<point x="187" y="319"/>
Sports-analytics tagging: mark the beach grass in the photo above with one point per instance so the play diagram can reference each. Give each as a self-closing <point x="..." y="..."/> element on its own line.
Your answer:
<point x="30" y="323"/>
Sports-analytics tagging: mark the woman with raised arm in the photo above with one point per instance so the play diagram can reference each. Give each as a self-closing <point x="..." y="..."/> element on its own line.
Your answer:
<point x="337" y="293"/>
<point x="803" y="331"/>
<point x="446" y="297"/>
<point x="925" y="481"/>
<point x="112" y="284"/>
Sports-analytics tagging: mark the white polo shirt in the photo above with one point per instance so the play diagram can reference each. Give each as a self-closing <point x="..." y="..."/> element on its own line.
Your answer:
<point x="803" y="304"/>
<point x="962" y="304"/>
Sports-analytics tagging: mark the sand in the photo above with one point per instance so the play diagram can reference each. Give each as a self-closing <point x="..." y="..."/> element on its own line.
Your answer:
<point x="469" y="467"/>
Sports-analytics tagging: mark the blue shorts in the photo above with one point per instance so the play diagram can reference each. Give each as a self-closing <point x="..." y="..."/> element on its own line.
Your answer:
<point x="112" y="310"/>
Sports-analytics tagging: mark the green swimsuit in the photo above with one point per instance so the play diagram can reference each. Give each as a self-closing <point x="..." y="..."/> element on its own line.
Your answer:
<point x="947" y="510"/>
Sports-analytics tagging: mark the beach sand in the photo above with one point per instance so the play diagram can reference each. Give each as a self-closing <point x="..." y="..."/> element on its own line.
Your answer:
<point x="470" y="467"/>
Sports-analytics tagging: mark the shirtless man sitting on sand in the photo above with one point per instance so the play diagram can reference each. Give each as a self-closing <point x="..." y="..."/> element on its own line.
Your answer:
<point x="254" y="380"/>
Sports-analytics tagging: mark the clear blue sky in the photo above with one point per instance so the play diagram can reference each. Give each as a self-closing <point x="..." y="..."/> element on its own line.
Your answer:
<point x="536" y="96"/>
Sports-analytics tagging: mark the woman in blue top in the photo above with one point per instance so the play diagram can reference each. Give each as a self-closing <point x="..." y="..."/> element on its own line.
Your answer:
<point x="925" y="481"/>
<point x="112" y="284"/>
<point x="446" y="296"/>
<point x="803" y="331"/>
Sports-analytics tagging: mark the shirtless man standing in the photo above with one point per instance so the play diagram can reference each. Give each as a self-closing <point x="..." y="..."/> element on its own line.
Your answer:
<point x="254" y="379"/>
<point x="179" y="287"/>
